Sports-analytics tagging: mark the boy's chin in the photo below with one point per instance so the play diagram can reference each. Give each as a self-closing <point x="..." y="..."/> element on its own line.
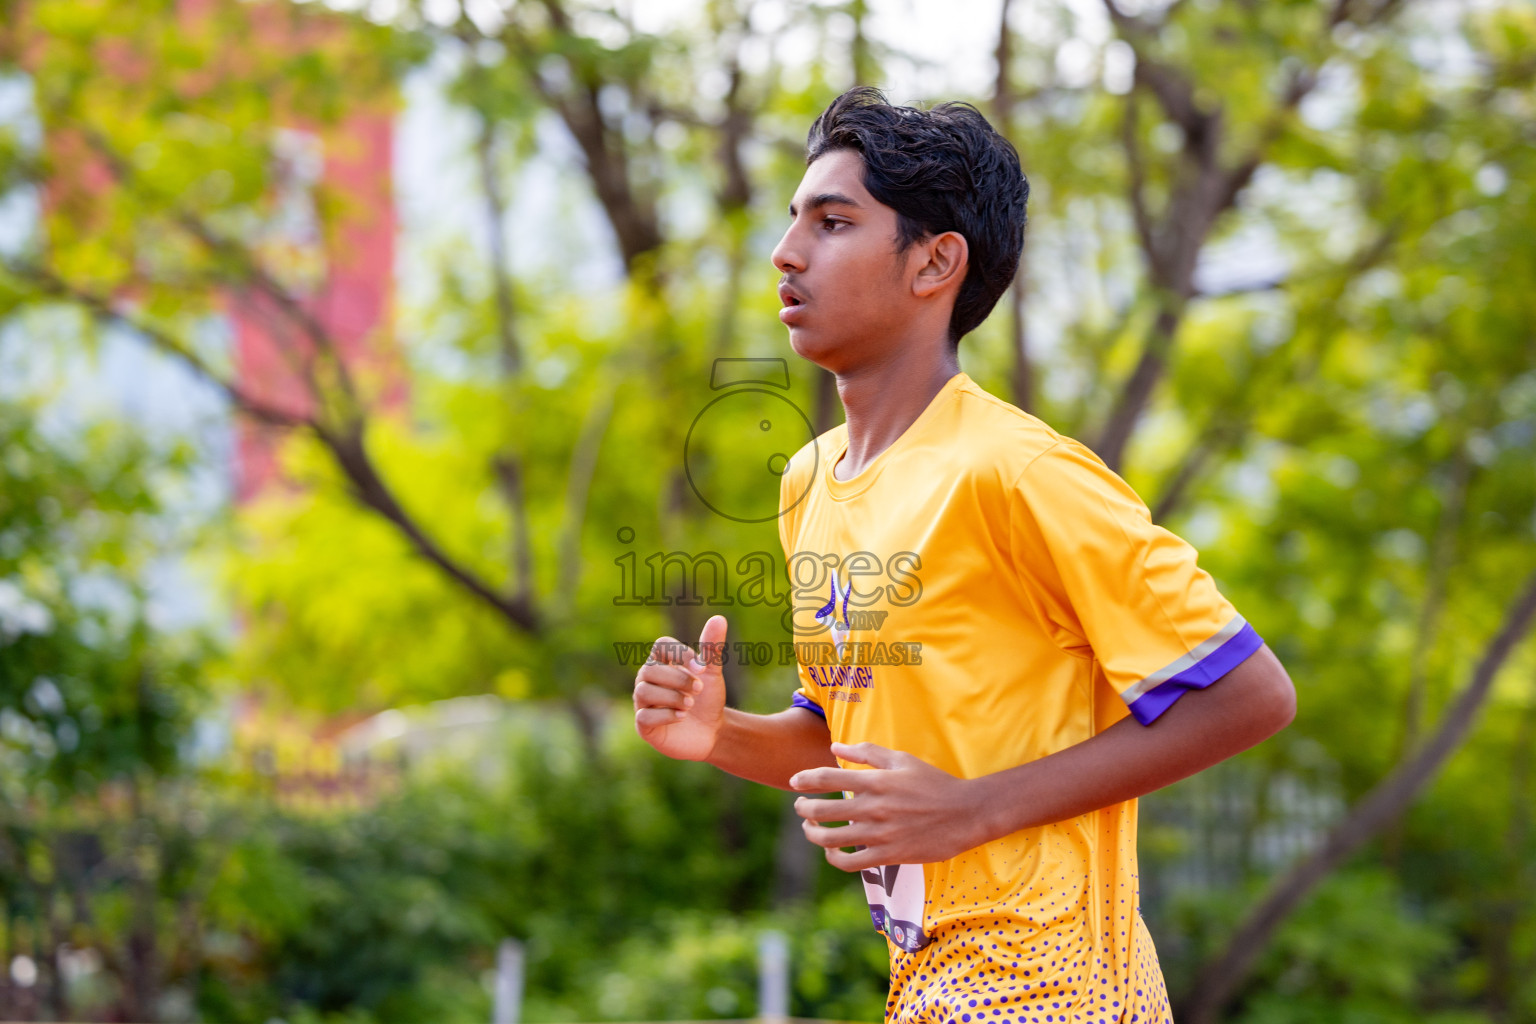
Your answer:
<point x="815" y="348"/>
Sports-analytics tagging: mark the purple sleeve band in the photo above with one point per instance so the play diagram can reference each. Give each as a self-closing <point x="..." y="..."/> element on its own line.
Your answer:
<point x="802" y="701"/>
<point x="1198" y="676"/>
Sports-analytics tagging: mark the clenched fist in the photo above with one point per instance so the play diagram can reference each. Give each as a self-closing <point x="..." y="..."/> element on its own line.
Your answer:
<point x="680" y="694"/>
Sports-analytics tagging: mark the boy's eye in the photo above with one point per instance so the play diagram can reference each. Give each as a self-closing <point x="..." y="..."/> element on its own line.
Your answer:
<point x="829" y="223"/>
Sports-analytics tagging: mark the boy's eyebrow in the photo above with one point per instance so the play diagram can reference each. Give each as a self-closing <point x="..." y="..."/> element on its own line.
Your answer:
<point x="821" y="199"/>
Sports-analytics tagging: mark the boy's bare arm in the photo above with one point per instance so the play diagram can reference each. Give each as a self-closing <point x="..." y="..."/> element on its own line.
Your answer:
<point x="909" y="812"/>
<point x="771" y="749"/>
<point x="680" y="710"/>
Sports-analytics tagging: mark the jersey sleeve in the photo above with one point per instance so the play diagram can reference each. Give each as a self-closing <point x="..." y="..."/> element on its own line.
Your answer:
<point x="791" y="488"/>
<point x="808" y="696"/>
<point x="1115" y="583"/>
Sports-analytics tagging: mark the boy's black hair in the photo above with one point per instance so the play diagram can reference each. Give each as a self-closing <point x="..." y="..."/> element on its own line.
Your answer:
<point x="944" y="169"/>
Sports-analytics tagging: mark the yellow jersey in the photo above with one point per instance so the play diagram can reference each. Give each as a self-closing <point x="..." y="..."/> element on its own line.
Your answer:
<point x="987" y="592"/>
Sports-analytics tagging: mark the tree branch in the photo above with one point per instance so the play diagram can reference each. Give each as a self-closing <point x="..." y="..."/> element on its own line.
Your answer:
<point x="508" y="465"/>
<point x="251" y="269"/>
<point x="1219" y="979"/>
<point x="578" y="486"/>
<point x="1143" y="379"/>
<point x="509" y="473"/>
<point x="496" y="226"/>
<point x="1172" y="246"/>
<point x="1228" y="426"/>
<point x="345" y="443"/>
<point x="1211" y="440"/>
<point x="633" y="218"/>
<point x="347" y="448"/>
<point x="351" y="455"/>
<point x="103" y="310"/>
<point x="1136" y="186"/>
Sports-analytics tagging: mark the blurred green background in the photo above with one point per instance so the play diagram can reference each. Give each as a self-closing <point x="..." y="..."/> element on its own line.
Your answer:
<point x="348" y="358"/>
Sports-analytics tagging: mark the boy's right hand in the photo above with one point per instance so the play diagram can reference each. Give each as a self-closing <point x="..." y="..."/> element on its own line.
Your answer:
<point x="680" y="695"/>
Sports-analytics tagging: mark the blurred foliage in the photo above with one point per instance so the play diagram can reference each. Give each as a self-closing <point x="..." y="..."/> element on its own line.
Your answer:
<point x="86" y="692"/>
<point x="394" y="914"/>
<point x="1355" y="953"/>
<point x="96" y="704"/>
<point x="1313" y="221"/>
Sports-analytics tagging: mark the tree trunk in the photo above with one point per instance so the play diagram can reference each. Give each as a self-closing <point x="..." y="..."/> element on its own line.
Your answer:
<point x="1138" y="389"/>
<point x="1514" y="884"/>
<point x="1003" y="99"/>
<point x="51" y="965"/>
<point x="142" y="981"/>
<point x="1442" y="560"/>
<point x="1023" y="369"/>
<point x="795" y="859"/>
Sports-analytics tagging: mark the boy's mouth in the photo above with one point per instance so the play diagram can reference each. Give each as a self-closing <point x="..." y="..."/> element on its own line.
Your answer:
<point x="789" y="296"/>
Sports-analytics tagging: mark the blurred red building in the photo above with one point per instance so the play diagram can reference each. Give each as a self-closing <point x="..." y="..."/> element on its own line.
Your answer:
<point x="343" y="277"/>
<point x="330" y="245"/>
<point x="341" y="272"/>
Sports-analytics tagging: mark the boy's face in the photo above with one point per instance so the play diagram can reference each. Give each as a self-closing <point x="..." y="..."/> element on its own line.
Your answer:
<point x="846" y="291"/>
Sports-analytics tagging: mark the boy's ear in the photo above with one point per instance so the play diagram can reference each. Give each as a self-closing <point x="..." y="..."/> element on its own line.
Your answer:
<point x="947" y="255"/>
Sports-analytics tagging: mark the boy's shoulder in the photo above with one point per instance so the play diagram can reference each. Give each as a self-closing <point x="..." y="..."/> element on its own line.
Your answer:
<point x="998" y="438"/>
<point x="1033" y="462"/>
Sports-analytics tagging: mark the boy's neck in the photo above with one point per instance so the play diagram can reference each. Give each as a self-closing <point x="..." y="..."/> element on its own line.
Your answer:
<point x="880" y="401"/>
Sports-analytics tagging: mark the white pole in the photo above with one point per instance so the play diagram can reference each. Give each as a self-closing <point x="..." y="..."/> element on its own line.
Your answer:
<point x="773" y="976"/>
<point x="508" y="1000"/>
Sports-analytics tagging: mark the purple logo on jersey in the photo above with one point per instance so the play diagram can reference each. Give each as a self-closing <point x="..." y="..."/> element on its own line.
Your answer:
<point x="827" y="616"/>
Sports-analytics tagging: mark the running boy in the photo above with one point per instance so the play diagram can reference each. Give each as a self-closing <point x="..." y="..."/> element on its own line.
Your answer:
<point x="1069" y="655"/>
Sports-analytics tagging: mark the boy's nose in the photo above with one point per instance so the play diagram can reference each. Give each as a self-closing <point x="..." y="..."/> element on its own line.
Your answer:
<point x="785" y="257"/>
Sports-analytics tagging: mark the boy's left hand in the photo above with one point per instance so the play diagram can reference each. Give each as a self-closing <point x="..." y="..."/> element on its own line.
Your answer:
<point x="902" y="810"/>
<point x="906" y="811"/>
